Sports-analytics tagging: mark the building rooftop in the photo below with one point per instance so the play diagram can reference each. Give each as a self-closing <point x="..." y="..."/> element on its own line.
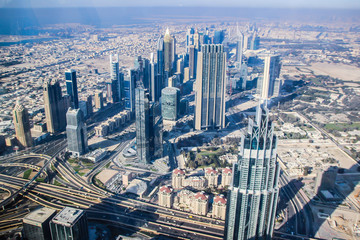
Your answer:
<point x="178" y="171"/>
<point x="201" y="195"/>
<point x="166" y="189"/>
<point x="68" y="216"/>
<point x="227" y="170"/>
<point x="39" y="216"/>
<point x="220" y="199"/>
<point x="211" y="171"/>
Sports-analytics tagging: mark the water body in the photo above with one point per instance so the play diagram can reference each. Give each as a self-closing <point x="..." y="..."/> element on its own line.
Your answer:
<point x="37" y="40"/>
<point x="27" y="21"/>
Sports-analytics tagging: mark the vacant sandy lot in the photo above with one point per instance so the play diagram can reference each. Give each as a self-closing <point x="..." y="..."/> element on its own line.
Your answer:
<point x="341" y="71"/>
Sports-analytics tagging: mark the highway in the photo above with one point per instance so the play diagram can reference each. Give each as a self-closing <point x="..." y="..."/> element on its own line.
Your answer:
<point x="137" y="215"/>
<point x="303" y="214"/>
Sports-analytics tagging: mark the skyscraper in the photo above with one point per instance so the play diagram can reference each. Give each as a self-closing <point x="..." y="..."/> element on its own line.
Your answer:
<point x="156" y="130"/>
<point x="155" y="80"/>
<point x="219" y="37"/>
<point x="22" y="125"/>
<point x="114" y="76"/>
<point x="129" y="90"/>
<point x="71" y="87"/>
<point x="76" y="132"/>
<point x="189" y="38"/>
<point x="239" y="48"/>
<point x="272" y="68"/>
<point x="142" y="110"/>
<point x="169" y="52"/>
<point x="99" y="101"/>
<point x="210" y="88"/>
<point x="55" y="106"/>
<point x="69" y="224"/>
<point x="170" y="101"/>
<point x="160" y="60"/>
<point x="36" y="224"/>
<point x="253" y="193"/>
<point x="193" y="52"/>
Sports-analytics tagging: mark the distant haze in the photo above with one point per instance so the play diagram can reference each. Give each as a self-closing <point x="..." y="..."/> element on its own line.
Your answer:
<point x="347" y="4"/>
<point x="20" y="21"/>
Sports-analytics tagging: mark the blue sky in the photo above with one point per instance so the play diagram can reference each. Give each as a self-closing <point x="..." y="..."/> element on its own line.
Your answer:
<point x="348" y="4"/>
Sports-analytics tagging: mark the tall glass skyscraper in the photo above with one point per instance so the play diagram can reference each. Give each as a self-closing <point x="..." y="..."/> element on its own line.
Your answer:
<point x="55" y="106"/>
<point x="76" y="131"/>
<point x="129" y="90"/>
<point x="210" y="88"/>
<point x="142" y="110"/>
<point x="115" y="79"/>
<point x="253" y="194"/>
<point x="71" y="87"/>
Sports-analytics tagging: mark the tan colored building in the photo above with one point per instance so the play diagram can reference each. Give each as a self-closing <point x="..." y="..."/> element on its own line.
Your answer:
<point x="126" y="178"/>
<point x="184" y="200"/>
<point x="219" y="207"/>
<point x="200" y="203"/>
<point x="212" y="177"/>
<point x="22" y="125"/>
<point x="99" y="100"/>
<point x="102" y="130"/>
<point x="178" y="177"/>
<point x="226" y="177"/>
<point x="186" y="74"/>
<point x="165" y="196"/>
<point x="196" y="182"/>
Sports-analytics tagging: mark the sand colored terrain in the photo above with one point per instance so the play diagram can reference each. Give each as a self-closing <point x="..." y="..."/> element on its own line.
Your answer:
<point x="341" y="71"/>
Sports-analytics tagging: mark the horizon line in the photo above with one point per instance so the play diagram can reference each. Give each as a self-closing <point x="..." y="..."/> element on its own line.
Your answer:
<point x="197" y="6"/>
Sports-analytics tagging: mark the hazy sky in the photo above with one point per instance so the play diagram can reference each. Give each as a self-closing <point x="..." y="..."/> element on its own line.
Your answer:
<point x="352" y="4"/>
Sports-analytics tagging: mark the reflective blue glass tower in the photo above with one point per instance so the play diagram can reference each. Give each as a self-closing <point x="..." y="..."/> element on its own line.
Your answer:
<point x="71" y="87"/>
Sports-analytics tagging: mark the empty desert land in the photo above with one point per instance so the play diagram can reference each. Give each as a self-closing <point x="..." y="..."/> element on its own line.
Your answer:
<point x="341" y="71"/>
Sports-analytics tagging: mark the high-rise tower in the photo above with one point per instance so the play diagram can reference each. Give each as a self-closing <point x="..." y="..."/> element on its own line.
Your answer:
<point x="71" y="87"/>
<point x="115" y="79"/>
<point x="129" y="89"/>
<point x="169" y="52"/>
<point x="142" y="110"/>
<point x="210" y="88"/>
<point x="55" y="106"/>
<point x="155" y="80"/>
<point x="253" y="193"/>
<point x="239" y="48"/>
<point x="76" y="131"/>
<point x="272" y="68"/>
<point x="22" y="125"/>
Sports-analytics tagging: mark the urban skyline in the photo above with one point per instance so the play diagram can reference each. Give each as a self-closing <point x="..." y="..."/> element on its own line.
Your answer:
<point x="165" y="131"/>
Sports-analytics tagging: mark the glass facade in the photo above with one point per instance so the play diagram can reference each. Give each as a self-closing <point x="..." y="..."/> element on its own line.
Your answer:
<point x="76" y="131"/>
<point x="253" y="194"/>
<point x="142" y="111"/>
<point x="71" y="87"/>
<point x="170" y="97"/>
<point x="210" y="88"/>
